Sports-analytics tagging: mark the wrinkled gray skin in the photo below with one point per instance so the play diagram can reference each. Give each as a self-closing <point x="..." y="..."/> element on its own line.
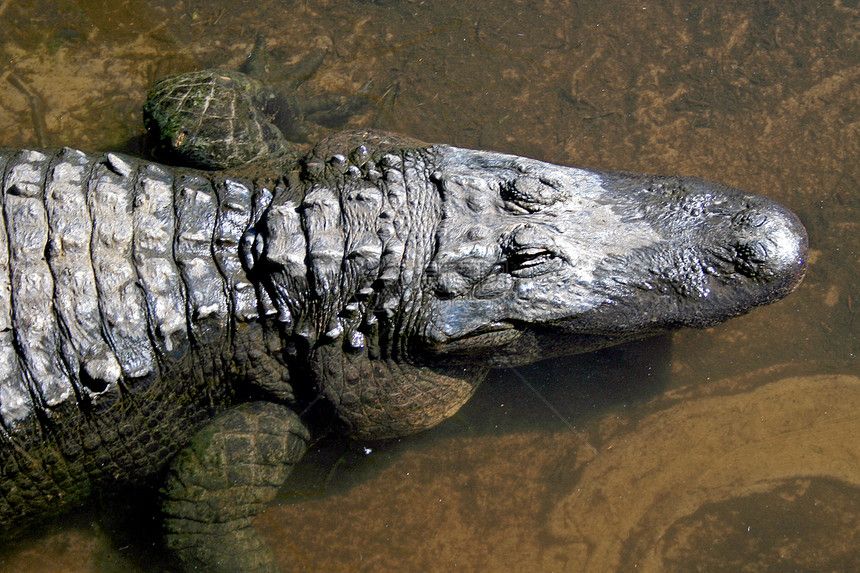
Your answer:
<point x="142" y="306"/>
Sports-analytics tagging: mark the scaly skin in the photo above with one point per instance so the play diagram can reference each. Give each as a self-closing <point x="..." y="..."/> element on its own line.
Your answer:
<point x="142" y="305"/>
<point x="124" y="310"/>
<point x="220" y="119"/>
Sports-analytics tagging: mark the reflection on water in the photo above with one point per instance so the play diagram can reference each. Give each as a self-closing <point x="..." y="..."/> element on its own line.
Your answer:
<point x="727" y="449"/>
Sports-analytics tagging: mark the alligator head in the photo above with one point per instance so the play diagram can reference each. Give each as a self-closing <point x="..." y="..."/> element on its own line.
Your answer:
<point x="537" y="260"/>
<point x="450" y="261"/>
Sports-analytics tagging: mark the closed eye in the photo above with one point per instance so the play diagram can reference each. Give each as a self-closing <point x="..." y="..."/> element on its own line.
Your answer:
<point x="533" y="261"/>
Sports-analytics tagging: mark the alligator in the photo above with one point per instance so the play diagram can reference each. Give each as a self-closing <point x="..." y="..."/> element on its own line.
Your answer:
<point x="168" y="327"/>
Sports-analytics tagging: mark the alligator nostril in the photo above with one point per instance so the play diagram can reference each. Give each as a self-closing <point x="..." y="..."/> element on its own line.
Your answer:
<point x="749" y="257"/>
<point x="754" y="252"/>
<point x="750" y="218"/>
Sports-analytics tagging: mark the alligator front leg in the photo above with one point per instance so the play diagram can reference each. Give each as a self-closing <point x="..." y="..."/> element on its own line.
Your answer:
<point x="223" y="479"/>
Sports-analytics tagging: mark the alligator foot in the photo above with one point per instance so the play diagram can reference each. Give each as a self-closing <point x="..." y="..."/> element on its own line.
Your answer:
<point x="223" y="479"/>
<point x="218" y="119"/>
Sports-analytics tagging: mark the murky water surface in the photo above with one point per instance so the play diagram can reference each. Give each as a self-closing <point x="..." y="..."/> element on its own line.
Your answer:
<point x="730" y="449"/>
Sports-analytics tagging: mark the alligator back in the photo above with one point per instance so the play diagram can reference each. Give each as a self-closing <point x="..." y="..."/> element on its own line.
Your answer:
<point x="123" y="307"/>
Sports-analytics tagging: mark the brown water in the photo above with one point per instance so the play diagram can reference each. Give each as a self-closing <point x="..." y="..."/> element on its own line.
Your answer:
<point x="731" y="449"/>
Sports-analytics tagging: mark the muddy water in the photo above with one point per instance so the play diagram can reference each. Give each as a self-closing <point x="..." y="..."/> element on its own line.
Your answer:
<point x="733" y="448"/>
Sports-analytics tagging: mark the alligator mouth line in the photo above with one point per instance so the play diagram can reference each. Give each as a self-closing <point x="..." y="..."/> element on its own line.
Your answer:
<point x="494" y="334"/>
<point x="490" y="328"/>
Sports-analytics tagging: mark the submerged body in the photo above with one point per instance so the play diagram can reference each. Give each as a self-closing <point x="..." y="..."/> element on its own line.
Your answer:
<point x="142" y="305"/>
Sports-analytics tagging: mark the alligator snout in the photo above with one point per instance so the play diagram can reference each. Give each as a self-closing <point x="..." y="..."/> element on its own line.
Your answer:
<point x="771" y="244"/>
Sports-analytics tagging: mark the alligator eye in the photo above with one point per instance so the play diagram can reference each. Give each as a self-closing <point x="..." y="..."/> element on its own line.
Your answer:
<point x="529" y="252"/>
<point x="530" y="193"/>
<point x="532" y="261"/>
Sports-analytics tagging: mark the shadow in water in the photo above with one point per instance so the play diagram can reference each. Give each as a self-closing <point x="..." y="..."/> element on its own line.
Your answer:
<point x="558" y="395"/>
<point x="568" y="391"/>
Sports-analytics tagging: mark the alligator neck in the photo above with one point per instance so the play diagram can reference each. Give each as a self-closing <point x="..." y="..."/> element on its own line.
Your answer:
<point x="344" y="244"/>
